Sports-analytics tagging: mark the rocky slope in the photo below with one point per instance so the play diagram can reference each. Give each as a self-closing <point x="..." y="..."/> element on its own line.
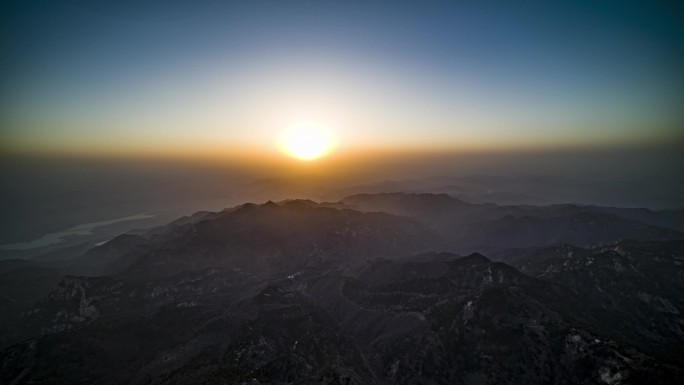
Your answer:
<point x="430" y="319"/>
<point x="636" y="285"/>
<point x="306" y="293"/>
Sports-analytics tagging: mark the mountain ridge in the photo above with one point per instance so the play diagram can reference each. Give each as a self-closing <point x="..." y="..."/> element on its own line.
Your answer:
<point x="307" y="292"/>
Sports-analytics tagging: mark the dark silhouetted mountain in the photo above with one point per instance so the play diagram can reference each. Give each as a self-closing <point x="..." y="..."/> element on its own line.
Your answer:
<point x="283" y="237"/>
<point x="106" y="257"/>
<point x="309" y="293"/>
<point x="517" y="256"/>
<point x="22" y="283"/>
<point x="490" y="227"/>
<point x="534" y="190"/>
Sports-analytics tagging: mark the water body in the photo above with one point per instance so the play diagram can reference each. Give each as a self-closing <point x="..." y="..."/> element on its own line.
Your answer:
<point x="80" y="230"/>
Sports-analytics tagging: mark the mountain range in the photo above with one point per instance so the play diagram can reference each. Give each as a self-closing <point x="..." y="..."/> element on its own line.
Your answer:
<point x="391" y="288"/>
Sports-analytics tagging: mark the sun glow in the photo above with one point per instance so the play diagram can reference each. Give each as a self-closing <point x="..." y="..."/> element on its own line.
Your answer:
<point x="307" y="142"/>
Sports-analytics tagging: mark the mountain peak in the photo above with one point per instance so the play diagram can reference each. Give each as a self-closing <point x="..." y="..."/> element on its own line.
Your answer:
<point x="475" y="258"/>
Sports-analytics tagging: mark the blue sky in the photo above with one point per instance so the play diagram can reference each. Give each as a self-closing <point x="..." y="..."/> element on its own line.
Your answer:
<point x="195" y="74"/>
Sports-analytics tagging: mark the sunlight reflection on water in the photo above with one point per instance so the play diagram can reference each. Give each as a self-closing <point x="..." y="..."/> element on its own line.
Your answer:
<point x="80" y="230"/>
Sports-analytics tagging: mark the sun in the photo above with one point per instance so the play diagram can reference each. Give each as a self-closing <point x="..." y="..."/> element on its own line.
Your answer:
<point x="307" y="142"/>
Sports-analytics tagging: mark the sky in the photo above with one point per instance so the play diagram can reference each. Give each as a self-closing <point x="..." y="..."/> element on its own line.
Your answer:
<point x="227" y="78"/>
